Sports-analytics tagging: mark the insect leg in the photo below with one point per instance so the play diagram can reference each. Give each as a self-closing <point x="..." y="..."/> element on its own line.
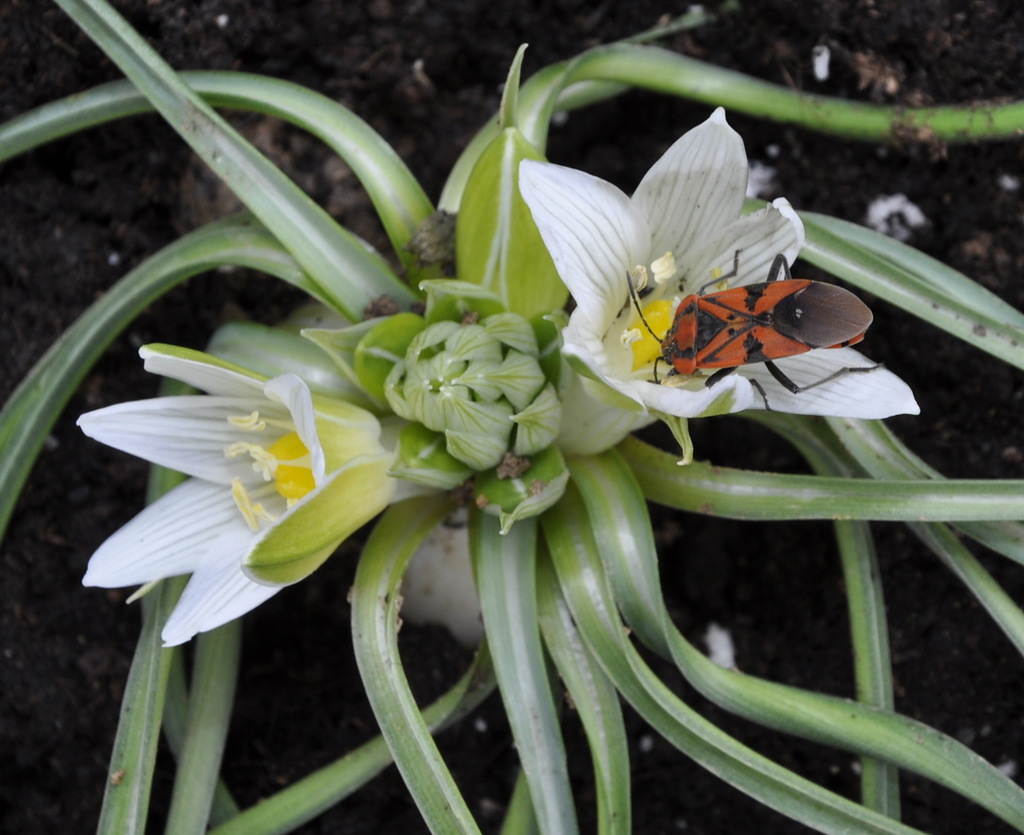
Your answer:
<point x="793" y="388"/>
<point x="778" y="264"/>
<point x="735" y="271"/>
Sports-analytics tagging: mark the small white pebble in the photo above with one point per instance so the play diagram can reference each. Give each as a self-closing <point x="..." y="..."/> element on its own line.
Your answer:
<point x="821" y="55"/>
<point x="1009" y="182"/>
<point x="894" y="215"/>
<point x="645" y="744"/>
<point x="1009" y="768"/>
<point x="720" y="646"/>
<point x="114" y="258"/>
<point x="773" y="151"/>
<point x="480" y="725"/>
<point x="222" y="21"/>
<point x="438" y="585"/>
<point x="760" y="180"/>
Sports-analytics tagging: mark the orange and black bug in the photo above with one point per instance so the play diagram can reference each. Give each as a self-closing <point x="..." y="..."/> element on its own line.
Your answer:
<point x="759" y="323"/>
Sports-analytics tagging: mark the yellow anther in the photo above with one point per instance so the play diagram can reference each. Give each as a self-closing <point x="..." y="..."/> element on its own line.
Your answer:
<point x="646" y="349"/>
<point x="664" y="268"/>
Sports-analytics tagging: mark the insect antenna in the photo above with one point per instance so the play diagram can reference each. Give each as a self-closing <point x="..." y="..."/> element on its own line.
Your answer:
<point x="635" y="299"/>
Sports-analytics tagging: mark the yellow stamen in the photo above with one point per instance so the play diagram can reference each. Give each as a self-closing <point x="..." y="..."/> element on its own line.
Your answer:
<point x="638" y="277"/>
<point x="263" y="461"/>
<point x="646" y="349"/>
<point x="253" y="512"/>
<point x="248" y="423"/>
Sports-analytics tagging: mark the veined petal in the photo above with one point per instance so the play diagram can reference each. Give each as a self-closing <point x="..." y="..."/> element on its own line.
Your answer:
<point x="217" y="593"/>
<point x="730" y="394"/>
<point x="290" y="391"/>
<point x="200" y="371"/>
<point x="187" y="433"/>
<point x="590" y="424"/>
<point x="869" y="394"/>
<point x="594" y="233"/>
<point x="757" y="237"/>
<point x="696" y="187"/>
<point x="195" y="522"/>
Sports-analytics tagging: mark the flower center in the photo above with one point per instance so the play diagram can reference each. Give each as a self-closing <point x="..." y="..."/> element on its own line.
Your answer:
<point x="285" y="464"/>
<point x="643" y="339"/>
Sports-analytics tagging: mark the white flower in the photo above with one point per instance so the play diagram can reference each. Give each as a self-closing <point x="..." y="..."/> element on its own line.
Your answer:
<point x="683" y="228"/>
<point x="278" y="480"/>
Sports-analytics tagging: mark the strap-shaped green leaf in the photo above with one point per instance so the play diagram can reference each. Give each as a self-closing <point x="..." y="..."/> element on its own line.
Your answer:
<point x="347" y="273"/>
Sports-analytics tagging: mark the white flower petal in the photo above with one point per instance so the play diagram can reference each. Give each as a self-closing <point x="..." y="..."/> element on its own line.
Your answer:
<point x="593" y="232"/>
<point x="730" y="394"/>
<point x="195" y="521"/>
<point x="695" y="188"/>
<point x="871" y="394"/>
<point x="201" y="375"/>
<point x="291" y="391"/>
<point x="217" y="593"/>
<point x="758" y="238"/>
<point x="590" y="424"/>
<point x="187" y="433"/>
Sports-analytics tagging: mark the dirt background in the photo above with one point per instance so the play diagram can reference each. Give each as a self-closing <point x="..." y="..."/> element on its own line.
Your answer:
<point x="76" y="215"/>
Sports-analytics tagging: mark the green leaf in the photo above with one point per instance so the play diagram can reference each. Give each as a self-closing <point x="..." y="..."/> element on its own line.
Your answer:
<point x="743" y="494"/>
<point x="214" y="677"/>
<point x="577" y="561"/>
<point x="37" y="402"/>
<point x="503" y="564"/>
<point x="381" y="348"/>
<point x="375" y="622"/>
<point x="914" y="282"/>
<point x="860" y="728"/>
<point x="497" y="244"/>
<point x="597" y="704"/>
<point x="400" y="202"/>
<point x="348" y="274"/>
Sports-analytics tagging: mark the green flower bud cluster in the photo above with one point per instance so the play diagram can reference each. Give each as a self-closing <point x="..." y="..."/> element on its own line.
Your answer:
<point x="477" y="382"/>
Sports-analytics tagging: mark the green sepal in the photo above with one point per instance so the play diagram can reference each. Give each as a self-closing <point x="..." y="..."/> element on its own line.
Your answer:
<point x="272" y="351"/>
<point x="423" y="458"/>
<point x="529" y="494"/>
<point x="480" y="451"/>
<point x="512" y="330"/>
<point x="547" y="330"/>
<point x="296" y="545"/>
<point x="680" y="428"/>
<point x="520" y="378"/>
<point x="381" y="348"/>
<point x="538" y="425"/>
<point x="340" y="346"/>
<point x="497" y="244"/>
<point x="449" y="300"/>
<point x="478" y="433"/>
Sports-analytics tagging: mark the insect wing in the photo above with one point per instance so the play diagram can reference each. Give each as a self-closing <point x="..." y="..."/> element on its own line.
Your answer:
<point x="822" y="316"/>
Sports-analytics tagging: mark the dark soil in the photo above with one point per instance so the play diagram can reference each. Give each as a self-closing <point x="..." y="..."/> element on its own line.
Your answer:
<point x="76" y="215"/>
